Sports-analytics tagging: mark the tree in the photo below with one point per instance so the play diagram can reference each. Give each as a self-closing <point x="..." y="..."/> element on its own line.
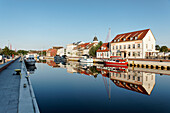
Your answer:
<point x="6" y="51"/>
<point x="157" y="47"/>
<point x="164" y="49"/>
<point x="24" y="52"/>
<point x="92" y="51"/>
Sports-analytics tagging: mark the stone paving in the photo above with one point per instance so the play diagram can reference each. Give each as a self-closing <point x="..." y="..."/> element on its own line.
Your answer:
<point x="9" y="89"/>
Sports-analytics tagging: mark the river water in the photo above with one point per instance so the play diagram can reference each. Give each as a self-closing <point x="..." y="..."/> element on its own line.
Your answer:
<point x="93" y="88"/>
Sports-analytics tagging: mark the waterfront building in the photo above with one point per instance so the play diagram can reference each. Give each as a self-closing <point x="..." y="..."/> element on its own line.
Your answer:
<point x="83" y="49"/>
<point x="103" y="51"/>
<point x="79" y="49"/>
<point x="137" y="44"/>
<point x="53" y="51"/>
<point x="69" y="50"/>
<point x="61" y="51"/>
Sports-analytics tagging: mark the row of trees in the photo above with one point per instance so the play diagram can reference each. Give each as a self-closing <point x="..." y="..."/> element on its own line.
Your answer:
<point x="162" y="48"/>
<point x="7" y="52"/>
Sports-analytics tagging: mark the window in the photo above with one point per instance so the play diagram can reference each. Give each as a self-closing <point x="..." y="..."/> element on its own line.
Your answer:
<point x="124" y="39"/>
<point x="133" y="77"/>
<point x="136" y="37"/>
<point x="131" y="38"/>
<point x="146" y="78"/>
<point x="138" y="53"/>
<point x="118" y="40"/>
<point x="138" y="45"/>
<point x="146" y="46"/>
<point x="129" y="53"/>
<point x="124" y="76"/>
<point x="138" y="78"/>
<point x="113" y="53"/>
<point x="116" y="47"/>
<point x="114" y="40"/>
<point x="133" y="46"/>
<point x="133" y="53"/>
<point x="113" y="47"/>
<point x="124" y="46"/>
<point x="129" y="47"/>
<point x="120" y="47"/>
<point x="152" y="46"/>
<point x="152" y="77"/>
<point x="149" y="38"/>
<point x="129" y="76"/>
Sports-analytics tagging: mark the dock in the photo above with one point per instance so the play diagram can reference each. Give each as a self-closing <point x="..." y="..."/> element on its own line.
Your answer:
<point x="15" y="98"/>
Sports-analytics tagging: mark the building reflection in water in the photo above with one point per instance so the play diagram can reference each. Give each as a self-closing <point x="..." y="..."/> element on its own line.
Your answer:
<point x="141" y="82"/>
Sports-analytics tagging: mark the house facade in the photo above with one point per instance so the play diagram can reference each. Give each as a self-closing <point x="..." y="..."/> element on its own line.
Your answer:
<point x="103" y="51"/>
<point x="80" y="48"/>
<point x="137" y="44"/>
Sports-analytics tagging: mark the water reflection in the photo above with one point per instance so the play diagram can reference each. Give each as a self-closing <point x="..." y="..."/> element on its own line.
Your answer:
<point x="31" y="69"/>
<point x="137" y="81"/>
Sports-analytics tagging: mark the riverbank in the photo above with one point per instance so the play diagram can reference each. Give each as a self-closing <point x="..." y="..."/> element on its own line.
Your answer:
<point x="27" y="100"/>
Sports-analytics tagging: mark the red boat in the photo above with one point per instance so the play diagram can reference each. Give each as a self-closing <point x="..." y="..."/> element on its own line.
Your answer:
<point x="116" y="61"/>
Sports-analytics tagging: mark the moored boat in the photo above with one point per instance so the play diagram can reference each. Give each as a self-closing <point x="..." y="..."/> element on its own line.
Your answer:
<point x="29" y="59"/>
<point x="116" y="61"/>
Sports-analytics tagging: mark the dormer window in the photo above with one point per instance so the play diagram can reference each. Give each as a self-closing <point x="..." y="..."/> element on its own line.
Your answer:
<point x="124" y="39"/>
<point x="114" y="40"/>
<point x="136" y="37"/>
<point x="101" y="48"/>
<point x="131" y="38"/>
<point x="118" y="40"/>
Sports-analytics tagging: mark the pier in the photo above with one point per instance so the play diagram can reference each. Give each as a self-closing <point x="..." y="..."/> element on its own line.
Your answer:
<point x="15" y="98"/>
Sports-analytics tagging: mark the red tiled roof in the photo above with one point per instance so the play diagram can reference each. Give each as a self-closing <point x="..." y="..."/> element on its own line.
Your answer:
<point x="105" y="46"/>
<point x="140" y="34"/>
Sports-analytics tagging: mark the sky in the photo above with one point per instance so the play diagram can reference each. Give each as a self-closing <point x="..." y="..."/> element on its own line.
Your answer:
<point x="41" y="24"/>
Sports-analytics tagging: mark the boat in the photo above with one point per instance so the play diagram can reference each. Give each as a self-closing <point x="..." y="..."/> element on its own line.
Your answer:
<point x="86" y="59"/>
<point x="116" y="61"/>
<point x="42" y="57"/>
<point x="57" y="58"/>
<point x="29" y="59"/>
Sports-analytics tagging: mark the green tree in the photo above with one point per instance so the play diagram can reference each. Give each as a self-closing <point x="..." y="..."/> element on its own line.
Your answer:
<point x="157" y="47"/>
<point x="6" y="51"/>
<point x="24" y="52"/>
<point x="92" y="51"/>
<point x="164" y="49"/>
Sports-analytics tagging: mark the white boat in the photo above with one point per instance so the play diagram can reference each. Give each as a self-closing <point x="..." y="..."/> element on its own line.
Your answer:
<point x="29" y="59"/>
<point x="42" y="57"/>
<point x="86" y="60"/>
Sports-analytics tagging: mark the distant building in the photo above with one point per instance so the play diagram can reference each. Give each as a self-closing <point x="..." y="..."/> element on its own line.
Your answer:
<point x="80" y="48"/>
<point x="137" y="44"/>
<point x="103" y="51"/>
<point x="51" y="52"/>
<point x="61" y="51"/>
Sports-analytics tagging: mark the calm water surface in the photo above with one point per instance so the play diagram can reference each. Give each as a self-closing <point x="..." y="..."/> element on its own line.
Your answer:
<point x="81" y="88"/>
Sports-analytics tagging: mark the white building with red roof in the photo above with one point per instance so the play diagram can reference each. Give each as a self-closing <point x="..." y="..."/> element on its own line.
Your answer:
<point x="137" y="44"/>
<point x="103" y="51"/>
<point x="79" y="49"/>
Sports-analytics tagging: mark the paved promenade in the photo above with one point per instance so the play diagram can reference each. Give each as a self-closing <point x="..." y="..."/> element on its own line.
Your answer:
<point x="9" y="89"/>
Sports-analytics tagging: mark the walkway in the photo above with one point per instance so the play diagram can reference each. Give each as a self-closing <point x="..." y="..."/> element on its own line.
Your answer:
<point x="9" y="89"/>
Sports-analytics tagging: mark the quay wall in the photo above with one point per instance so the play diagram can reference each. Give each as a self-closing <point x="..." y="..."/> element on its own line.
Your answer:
<point x="27" y="100"/>
<point x="150" y="64"/>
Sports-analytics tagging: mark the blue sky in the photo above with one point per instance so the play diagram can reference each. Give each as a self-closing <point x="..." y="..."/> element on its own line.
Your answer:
<point x="41" y="24"/>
